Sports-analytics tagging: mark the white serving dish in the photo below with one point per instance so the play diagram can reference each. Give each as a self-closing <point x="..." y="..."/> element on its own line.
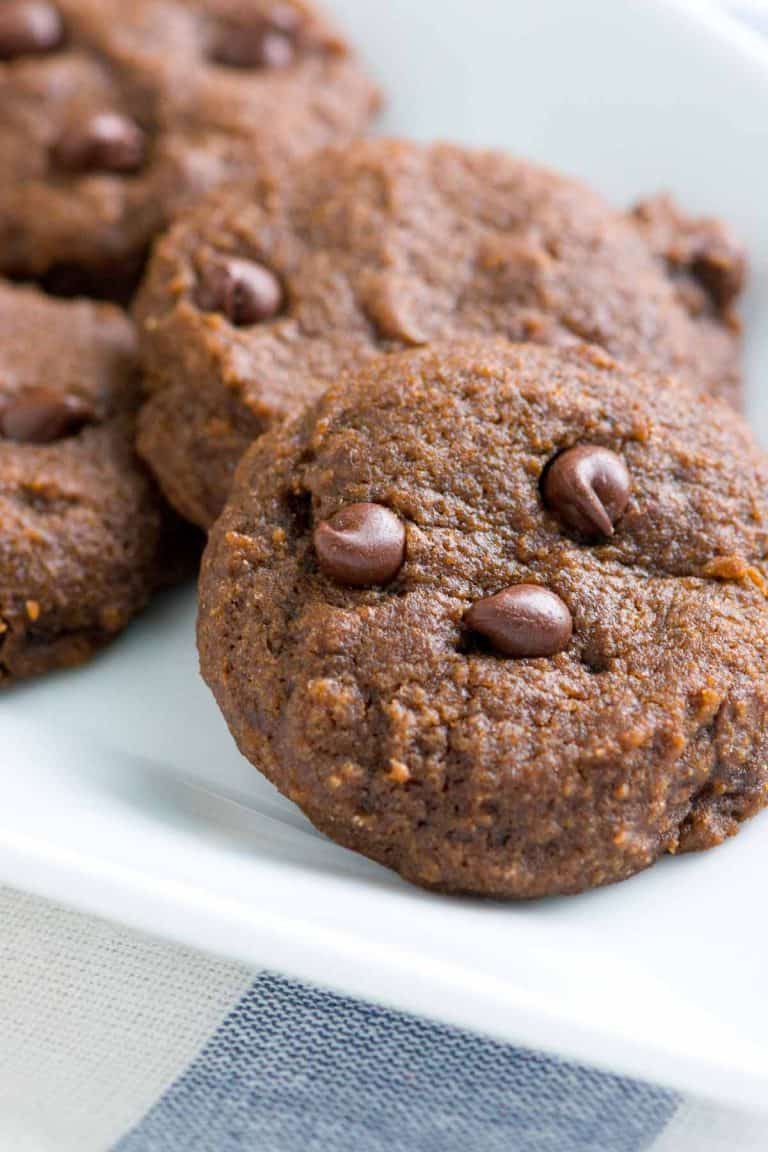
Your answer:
<point x="123" y="794"/>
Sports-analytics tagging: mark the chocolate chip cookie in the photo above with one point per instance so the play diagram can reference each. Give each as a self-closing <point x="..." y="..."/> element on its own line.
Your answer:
<point x="114" y="113"/>
<point x="257" y="300"/>
<point x="84" y="534"/>
<point x="495" y="616"/>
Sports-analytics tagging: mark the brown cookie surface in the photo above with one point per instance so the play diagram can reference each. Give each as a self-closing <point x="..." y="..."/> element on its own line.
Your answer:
<point x="113" y="114"/>
<point x="413" y="637"/>
<point x="257" y="300"/>
<point x="84" y="533"/>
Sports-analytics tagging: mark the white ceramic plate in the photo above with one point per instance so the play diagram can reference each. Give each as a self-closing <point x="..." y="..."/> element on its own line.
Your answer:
<point x="109" y="774"/>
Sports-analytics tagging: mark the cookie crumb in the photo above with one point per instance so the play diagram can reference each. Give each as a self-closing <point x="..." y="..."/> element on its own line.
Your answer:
<point x="399" y="773"/>
<point x="736" y="568"/>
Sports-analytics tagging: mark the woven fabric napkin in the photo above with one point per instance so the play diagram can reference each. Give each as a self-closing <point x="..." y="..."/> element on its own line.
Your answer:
<point x="113" y="1042"/>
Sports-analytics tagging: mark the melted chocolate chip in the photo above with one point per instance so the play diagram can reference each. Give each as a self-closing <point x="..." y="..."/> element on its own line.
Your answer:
<point x="244" y="291"/>
<point x="42" y="415"/>
<point x="361" y="544"/>
<point x="268" y="42"/>
<point x="588" y="488"/>
<point x="524" y="620"/>
<point x="29" y="28"/>
<point x="106" y="142"/>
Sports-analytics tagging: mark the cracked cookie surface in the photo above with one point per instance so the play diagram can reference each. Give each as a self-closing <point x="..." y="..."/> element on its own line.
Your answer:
<point x="114" y="113"/>
<point x="259" y="299"/>
<point x="84" y="534"/>
<point x="495" y="616"/>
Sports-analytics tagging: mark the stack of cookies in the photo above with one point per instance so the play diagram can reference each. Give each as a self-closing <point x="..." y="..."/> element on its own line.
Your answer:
<point x="114" y="115"/>
<point x="485" y="589"/>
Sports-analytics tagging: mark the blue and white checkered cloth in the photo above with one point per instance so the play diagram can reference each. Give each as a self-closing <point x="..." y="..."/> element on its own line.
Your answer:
<point x="110" y="1042"/>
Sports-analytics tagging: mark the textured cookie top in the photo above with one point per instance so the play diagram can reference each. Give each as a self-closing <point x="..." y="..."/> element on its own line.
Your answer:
<point x="82" y="528"/>
<point x="496" y="616"/>
<point x="114" y="113"/>
<point x="256" y="300"/>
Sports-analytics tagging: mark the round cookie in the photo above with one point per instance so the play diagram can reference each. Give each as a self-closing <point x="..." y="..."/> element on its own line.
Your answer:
<point x="84" y="534"/>
<point x="259" y="298"/>
<point x="550" y="665"/>
<point x="113" y="114"/>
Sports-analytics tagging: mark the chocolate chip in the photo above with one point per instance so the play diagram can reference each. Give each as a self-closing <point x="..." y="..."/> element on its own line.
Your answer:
<point x="244" y="291"/>
<point x="277" y="50"/>
<point x="269" y="42"/>
<point x="588" y="487"/>
<point x="106" y="142"/>
<point x="29" y="28"/>
<point x="524" y="620"/>
<point x="41" y="415"/>
<point x="361" y="544"/>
